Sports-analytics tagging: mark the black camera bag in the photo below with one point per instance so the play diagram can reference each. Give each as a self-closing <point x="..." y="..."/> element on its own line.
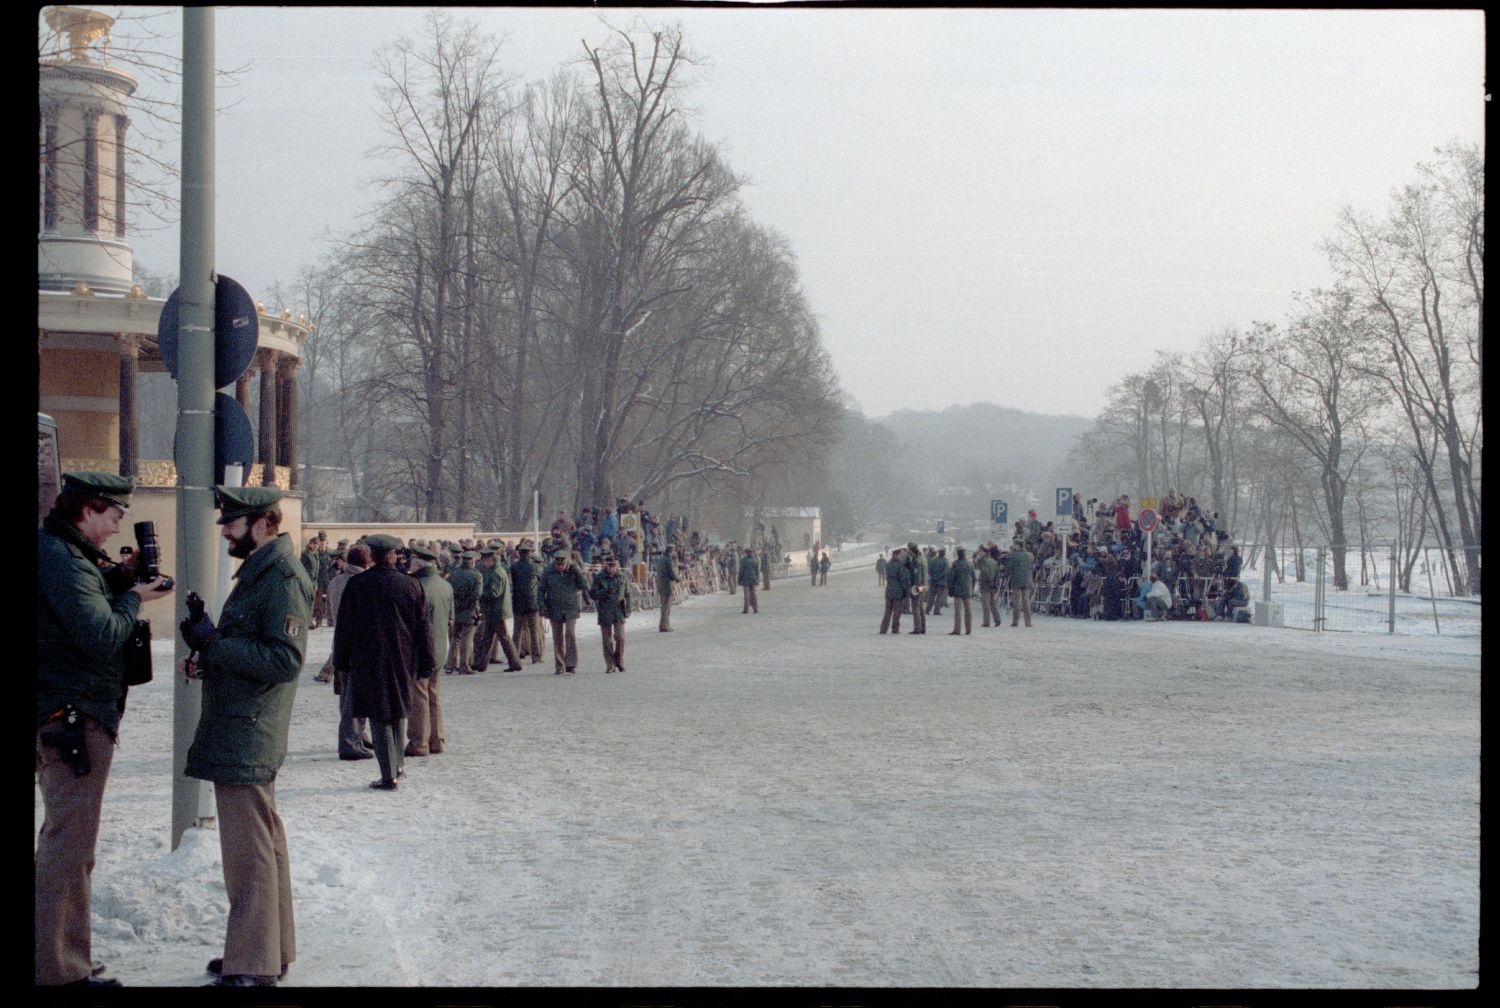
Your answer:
<point x="138" y="654"/>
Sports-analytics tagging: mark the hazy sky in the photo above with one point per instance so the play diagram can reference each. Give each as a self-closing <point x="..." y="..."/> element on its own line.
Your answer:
<point x="1005" y="205"/>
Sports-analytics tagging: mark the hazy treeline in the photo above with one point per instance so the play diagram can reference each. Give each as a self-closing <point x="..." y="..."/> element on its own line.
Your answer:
<point x="1357" y="418"/>
<point x="560" y="291"/>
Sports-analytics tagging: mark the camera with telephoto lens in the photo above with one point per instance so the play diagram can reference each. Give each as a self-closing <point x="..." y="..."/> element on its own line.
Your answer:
<point x="148" y="567"/>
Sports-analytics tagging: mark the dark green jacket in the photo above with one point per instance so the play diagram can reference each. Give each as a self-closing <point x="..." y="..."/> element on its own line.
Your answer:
<point x="439" y="610"/>
<point x="897" y="581"/>
<point x="466" y="583"/>
<point x="1020" y="566"/>
<point x="82" y="623"/>
<point x="524" y="578"/>
<point x="666" y="573"/>
<point x="611" y="600"/>
<point x="749" y="571"/>
<point x="937" y="570"/>
<point x="989" y="573"/>
<point x="494" y="595"/>
<point x="916" y="570"/>
<point x="559" y="591"/>
<point x="250" y="670"/>
<point x="961" y="579"/>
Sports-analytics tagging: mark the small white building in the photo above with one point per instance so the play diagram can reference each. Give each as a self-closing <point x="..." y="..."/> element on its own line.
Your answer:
<point x="797" y="527"/>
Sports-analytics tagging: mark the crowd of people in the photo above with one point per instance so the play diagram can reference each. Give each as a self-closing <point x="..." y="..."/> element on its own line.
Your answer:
<point x="404" y="614"/>
<point x="1097" y="570"/>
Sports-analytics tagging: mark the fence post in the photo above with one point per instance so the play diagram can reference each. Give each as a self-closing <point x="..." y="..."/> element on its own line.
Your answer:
<point x="1391" y="614"/>
<point x="1427" y="562"/>
<point x="1318" y="584"/>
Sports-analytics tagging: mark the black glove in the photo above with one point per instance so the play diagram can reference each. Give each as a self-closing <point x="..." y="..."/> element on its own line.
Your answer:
<point x="425" y="674"/>
<point x="197" y="633"/>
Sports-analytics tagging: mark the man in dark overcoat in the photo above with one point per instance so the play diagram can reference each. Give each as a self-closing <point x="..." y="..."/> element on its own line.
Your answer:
<point x="382" y="643"/>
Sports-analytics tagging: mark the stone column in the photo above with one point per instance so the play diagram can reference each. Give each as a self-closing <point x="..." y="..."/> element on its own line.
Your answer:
<point x="266" y="451"/>
<point x="287" y="418"/>
<point x="130" y="452"/>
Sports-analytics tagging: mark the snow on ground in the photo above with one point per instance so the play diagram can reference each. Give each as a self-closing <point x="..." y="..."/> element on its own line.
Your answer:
<point x="789" y="798"/>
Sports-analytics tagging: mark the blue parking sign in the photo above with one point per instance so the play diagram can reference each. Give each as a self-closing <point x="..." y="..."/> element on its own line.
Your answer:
<point x="1065" y="501"/>
<point x="998" y="512"/>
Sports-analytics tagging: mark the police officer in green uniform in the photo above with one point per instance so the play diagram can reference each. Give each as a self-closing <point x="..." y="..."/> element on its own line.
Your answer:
<point x="466" y="583"/>
<point x="424" y="726"/>
<point x="748" y="575"/>
<point x="897" y="588"/>
<point x="612" y="604"/>
<point x="1020" y="566"/>
<point x="494" y="605"/>
<point x="86" y="611"/>
<point x="666" y="581"/>
<point x="960" y="588"/>
<point x="249" y="666"/>
<point x="988" y="570"/>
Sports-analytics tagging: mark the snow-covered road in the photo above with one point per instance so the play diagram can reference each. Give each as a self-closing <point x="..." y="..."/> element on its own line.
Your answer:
<point x="790" y="799"/>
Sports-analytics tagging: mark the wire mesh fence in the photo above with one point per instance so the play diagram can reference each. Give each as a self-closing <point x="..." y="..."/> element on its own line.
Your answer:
<point x="1366" y="587"/>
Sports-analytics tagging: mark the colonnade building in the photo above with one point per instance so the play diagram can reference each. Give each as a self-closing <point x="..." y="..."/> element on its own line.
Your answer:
<point x="96" y="328"/>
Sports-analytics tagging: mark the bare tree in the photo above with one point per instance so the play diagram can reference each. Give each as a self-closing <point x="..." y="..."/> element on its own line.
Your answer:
<point x="1312" y="392"/>
<point x="1420" y="274"/>
<point x="648" y="186"/>
<point x="435" y="95"/>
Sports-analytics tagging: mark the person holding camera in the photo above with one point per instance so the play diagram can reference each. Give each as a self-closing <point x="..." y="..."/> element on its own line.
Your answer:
<point x="86" y="612"/>
<point x="249" y="666"/>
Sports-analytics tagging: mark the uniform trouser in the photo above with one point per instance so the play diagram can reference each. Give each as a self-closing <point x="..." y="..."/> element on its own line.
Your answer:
<point x="461" y="654"/>
<point x="320" y="606"/>
<point x="424" y="726"/>
<point x="664" y="603"/>
<point x="892" y="617"/>
<point x="389" y="752"/>
<point x="1020" y="604"/>
<point x="750" y="604"/>
<point x="261" y="935"/>
<point x="961" y="607"/>
<point x="65" y="856"/>
<point x="814" y="569"/>
<point x="918" y="616"/>
<point x="495" y="633"/>
<point x="352" y="730"/>
<point x="822" y="577"/>
<point x="938" y="600"/>
<point x="613" y="636"/>
<point x="523" y="637"/>
<point x="988" y="608"/>
<point x="531" y="625"/>
<point x="564" y="643"/>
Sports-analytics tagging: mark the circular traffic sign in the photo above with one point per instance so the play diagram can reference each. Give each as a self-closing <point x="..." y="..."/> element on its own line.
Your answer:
<point x="236" y="331"/>
<point x="1147" y="520"/>
<point x="234" y="441"/>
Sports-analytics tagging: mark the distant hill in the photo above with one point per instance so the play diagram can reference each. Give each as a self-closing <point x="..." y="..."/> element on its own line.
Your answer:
<point x="982" y="442"/>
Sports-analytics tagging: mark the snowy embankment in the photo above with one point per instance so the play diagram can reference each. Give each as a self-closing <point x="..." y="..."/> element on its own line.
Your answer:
<point x="789" y="798"/>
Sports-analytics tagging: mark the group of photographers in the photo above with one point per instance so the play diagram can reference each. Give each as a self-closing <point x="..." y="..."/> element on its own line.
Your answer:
<point x="87" y="631"/>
